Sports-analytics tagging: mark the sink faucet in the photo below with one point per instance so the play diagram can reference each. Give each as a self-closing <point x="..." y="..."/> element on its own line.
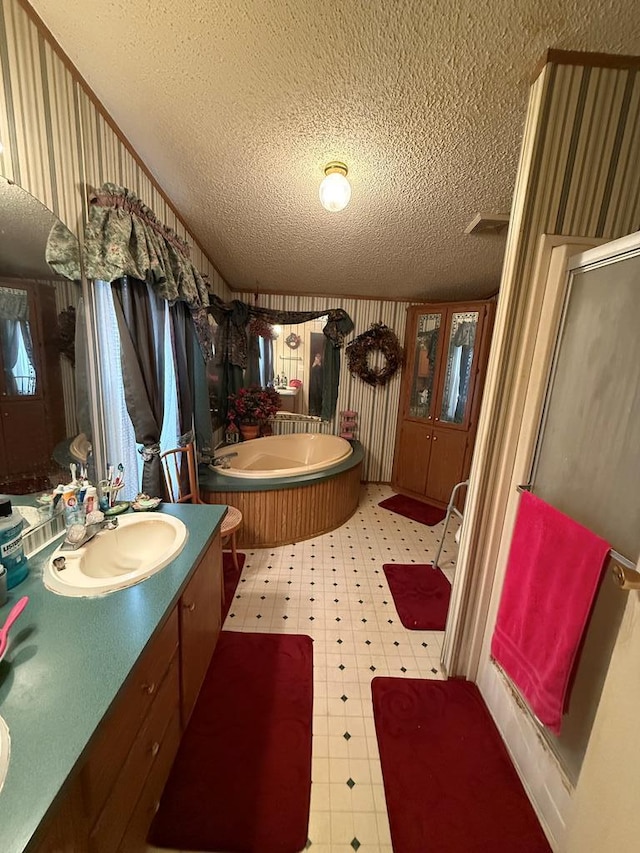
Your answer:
<point x="79" y="534"/>
<point x="222" y="460"/>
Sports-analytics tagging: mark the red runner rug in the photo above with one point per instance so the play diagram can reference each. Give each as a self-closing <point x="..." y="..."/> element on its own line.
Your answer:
<point x="242" y="778"/>
<point x="413" y="509"/>
<point x="231" y="579"/>
<point x="449" y="783"/>
<point x="421" y="595"/>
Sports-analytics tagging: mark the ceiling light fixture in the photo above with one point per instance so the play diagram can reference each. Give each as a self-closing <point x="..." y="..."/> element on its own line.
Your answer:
<point x="335" y="189"/>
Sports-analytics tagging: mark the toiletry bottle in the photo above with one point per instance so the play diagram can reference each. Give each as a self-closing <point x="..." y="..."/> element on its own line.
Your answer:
<point x="11" y="548"/>
<point x="73" y="508"/>
<point x="90" y="499"/>
<point x="3" y="585"/>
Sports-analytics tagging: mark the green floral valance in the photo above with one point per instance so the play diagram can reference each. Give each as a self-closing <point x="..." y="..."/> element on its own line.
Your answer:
<point x="63" y="252"/>
<point x="124" y="238"/>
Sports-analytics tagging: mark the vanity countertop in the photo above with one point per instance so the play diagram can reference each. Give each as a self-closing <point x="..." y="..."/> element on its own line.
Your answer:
<point x="66" y="662"/>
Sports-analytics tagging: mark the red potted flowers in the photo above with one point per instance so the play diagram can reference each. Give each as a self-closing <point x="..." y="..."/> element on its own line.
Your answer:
<point x="251" y="407"/>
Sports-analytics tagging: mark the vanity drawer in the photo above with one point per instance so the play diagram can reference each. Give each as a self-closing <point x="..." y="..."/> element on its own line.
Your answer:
<point x="135" y="838"/>
<point x="140" y="763"/>
<point x="118" y="732"/>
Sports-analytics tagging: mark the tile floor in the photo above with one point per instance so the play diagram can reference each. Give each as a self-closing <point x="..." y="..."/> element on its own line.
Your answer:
<point x="333" y="588"/>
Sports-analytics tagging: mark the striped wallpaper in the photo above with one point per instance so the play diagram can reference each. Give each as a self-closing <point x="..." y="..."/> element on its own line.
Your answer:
<point x="578" y="175"/>
<point x="58" y="143"/>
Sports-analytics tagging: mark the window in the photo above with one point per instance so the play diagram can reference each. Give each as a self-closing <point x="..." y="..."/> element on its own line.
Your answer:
<point x="121" y="446"/>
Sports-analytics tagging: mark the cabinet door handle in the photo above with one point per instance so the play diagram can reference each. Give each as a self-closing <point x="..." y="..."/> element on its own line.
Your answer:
<point x="149" y="689"/>
<point x="437" y="419"/>
<point x="155" y="748"/>
<point x="429" y="417"/>
<point x="190" y="607"/>
<point x="435" y="437"/>
<point x="428" y="437"/>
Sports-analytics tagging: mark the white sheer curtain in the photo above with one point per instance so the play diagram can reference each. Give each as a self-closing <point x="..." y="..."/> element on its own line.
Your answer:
<point x="120" y="438"/>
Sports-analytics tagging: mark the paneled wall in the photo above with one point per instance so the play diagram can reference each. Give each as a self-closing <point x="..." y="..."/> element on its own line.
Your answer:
<point x="57" y="142"/>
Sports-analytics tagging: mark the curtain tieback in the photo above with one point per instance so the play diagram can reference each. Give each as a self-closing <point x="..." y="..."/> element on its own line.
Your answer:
<point x="149" y="451"/>
<point x="185" y="439"/>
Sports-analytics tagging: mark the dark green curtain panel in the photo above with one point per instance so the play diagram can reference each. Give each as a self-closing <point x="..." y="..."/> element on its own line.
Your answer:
<point x="138" y="310"/>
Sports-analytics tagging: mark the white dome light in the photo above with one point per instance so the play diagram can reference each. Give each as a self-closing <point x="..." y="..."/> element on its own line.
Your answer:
<point x="335" y="189"/>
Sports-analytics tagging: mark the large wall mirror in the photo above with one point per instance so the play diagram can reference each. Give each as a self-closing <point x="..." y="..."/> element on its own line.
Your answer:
<point x="286" y="356"/>
<point x="38" y="312"/>
<point x="298" y="354"/>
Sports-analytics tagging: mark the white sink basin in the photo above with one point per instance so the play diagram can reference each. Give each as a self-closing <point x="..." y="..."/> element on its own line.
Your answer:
<point x="4" y="751"/>
<point x="140" y="546"/>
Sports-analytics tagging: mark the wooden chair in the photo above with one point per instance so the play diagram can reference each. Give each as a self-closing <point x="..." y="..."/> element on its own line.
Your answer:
<point x="172" y="465"/>
<point x="231" y="523"/>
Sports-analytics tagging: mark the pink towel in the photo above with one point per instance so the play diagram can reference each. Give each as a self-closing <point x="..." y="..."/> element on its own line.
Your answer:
<point x="553" y="573"/>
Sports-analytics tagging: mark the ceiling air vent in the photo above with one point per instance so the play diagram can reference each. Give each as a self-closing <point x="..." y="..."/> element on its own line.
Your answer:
<point x="487" y="222"/>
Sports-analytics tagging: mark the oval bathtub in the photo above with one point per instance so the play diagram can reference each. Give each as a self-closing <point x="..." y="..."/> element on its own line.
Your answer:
<point x="282" y="508"/>
<point x="285" y="455"/>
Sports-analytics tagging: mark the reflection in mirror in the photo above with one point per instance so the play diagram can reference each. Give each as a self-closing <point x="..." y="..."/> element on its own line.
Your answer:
<point x="459" y="360"/>
<point x="37" y="320"/>
<point x="297" y="364"/>
<point x="288" y="358"/>
<point x="424" y="365"/>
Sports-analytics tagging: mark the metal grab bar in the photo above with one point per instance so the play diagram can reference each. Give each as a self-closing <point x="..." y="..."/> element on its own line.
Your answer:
<point x="451" y="510"/>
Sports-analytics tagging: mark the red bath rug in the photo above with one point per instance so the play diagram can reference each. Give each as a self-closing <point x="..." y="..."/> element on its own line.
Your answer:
<point x="449" y="783"/>
<point x="241" y="781"/>
<point x="421" y="595"/>
<point x="413" y="509"/>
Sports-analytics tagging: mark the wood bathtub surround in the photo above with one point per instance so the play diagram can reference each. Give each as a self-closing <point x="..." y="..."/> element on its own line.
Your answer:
<point x="287" y="515"/>
<point x="109" y="803"/>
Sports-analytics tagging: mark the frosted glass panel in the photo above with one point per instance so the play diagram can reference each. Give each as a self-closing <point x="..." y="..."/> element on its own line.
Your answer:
<point x="587" y="455"/>
<point x="587" y="461"/>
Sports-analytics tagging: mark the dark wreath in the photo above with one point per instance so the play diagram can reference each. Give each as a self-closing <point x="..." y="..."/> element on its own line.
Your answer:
<point x="378" y="337"/>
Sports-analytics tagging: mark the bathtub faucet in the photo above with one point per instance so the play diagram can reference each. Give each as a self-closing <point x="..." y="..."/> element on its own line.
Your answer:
<point x="222" y="460"/>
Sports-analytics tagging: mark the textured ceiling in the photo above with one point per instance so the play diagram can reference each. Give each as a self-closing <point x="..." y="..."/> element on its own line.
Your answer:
<point x="237" y="105"/>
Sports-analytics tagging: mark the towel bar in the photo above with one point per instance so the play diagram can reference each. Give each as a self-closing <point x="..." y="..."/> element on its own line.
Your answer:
<point x="625" y="572"/>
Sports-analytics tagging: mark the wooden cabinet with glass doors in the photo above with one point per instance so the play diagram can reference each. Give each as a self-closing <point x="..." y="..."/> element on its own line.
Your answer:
<point x="446" y="350"/>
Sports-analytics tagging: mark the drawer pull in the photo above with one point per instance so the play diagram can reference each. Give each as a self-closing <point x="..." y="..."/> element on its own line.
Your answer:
<point x="155" y="748"/>
<point x="149" y="689"/>
<point x="190" y="607"/>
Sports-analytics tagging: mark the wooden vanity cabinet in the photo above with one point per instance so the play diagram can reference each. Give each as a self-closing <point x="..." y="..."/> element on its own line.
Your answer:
<point x="109" y="805"/>
<point x="200" y="624"/>
<point x="446" y="347"/>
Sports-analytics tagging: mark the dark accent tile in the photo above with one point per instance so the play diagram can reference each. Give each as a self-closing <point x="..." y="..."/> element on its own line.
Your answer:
<point x="350" y="783"/>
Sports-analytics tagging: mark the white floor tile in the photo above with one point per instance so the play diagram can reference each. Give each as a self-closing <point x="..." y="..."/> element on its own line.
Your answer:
<point x="333" y="588"/>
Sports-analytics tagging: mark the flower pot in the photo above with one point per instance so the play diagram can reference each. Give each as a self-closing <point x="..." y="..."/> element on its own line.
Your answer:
<point x="249" y="431"/>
